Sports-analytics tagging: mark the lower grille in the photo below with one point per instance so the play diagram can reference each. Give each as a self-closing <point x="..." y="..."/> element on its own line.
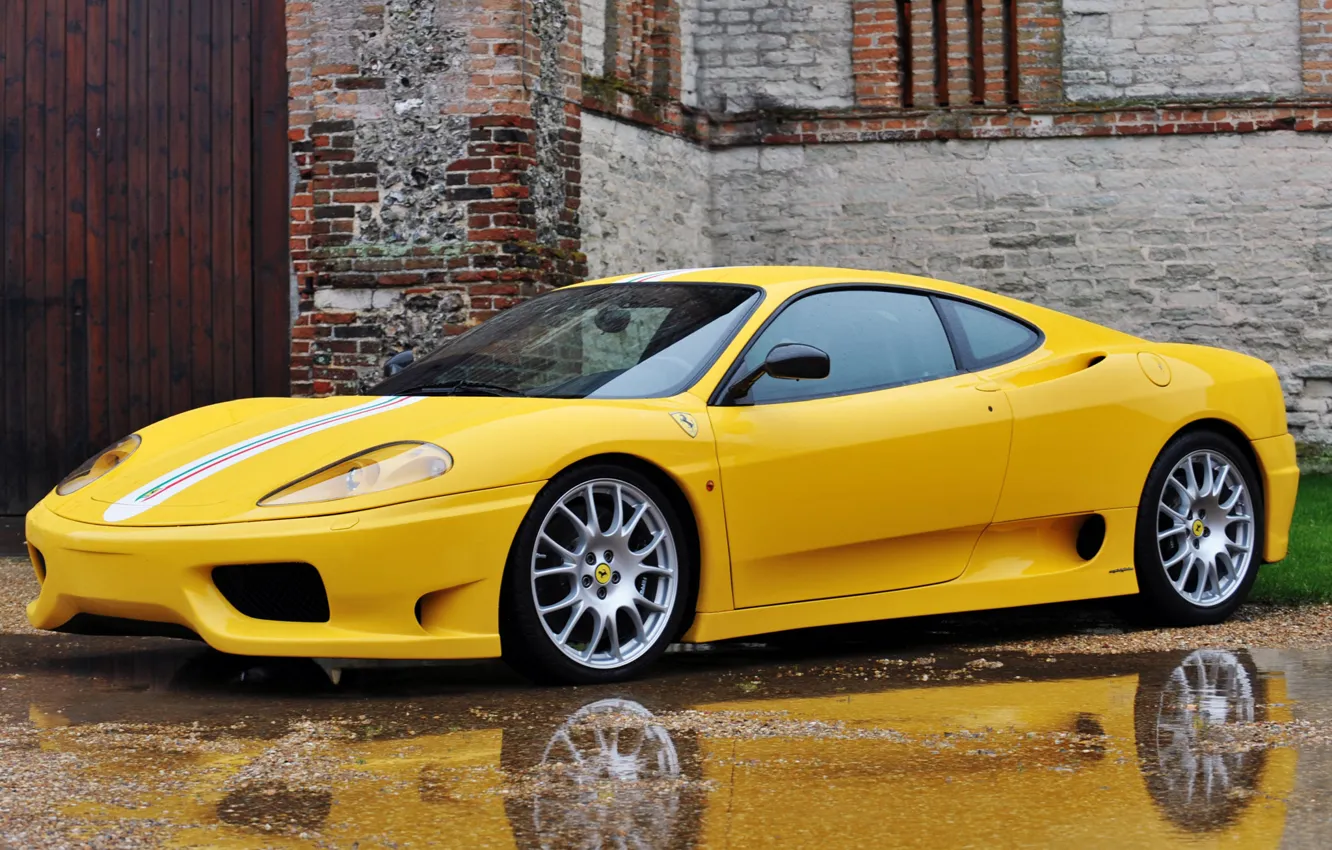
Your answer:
<point x="292" y="593"/>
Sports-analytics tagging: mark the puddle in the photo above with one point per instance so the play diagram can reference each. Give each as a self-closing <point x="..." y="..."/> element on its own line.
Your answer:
<point x="162" y="743"/>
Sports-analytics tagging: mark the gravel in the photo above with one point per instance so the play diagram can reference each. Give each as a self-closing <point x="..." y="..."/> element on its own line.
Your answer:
<point x="18" y="587"/>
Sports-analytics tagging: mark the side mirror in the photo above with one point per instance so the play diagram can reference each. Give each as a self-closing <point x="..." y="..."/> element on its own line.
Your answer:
<point x="792" y="361"/>
<point x="789" y="361"/>
<point x="398" y="362"/>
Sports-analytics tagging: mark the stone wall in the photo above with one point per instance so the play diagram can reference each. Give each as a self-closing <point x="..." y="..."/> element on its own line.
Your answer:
<point x="773" y="53"/>
<point x="431" y="187"/>
<point x="1178" y="239"/>
<point x="650" y="199"/>
<point x="1181" y="48"/>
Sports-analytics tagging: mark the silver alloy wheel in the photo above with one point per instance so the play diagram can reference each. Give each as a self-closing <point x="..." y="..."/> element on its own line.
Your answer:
<point x="605" y="574"/>
<point x="1205" y="528"/>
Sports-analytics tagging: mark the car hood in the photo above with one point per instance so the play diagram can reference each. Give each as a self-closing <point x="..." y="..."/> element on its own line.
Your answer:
<point x="214" y="464"/>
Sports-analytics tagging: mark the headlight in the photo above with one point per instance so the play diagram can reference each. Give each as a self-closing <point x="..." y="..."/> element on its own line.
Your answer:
<point x="98" y="465"/>
<point x="371" y="471"/>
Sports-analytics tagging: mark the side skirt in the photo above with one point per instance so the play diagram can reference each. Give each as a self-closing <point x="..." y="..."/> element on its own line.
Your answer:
<point x="1027" y="562"/>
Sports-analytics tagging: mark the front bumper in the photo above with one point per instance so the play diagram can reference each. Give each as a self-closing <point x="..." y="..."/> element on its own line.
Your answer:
<point x="415" y="580"/>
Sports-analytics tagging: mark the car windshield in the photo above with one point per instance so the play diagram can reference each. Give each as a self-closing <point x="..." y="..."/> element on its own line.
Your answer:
<point x="615" y="341"/>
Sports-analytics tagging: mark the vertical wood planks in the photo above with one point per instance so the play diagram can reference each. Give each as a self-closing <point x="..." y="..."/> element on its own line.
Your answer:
<point x="95" y="159"/>
<point x="74" y="436"/>
<point x="119" y="355"/>
<point x="242" y="140"/>
<point x="13" y="465"/>
<point x="272" y="247"/>
<point x="34" y="209"/>
<point x="137" y="268"/>
<point x="178" y="189"/>
<point x="223" y="165"/>
<point x="159" y="217"/>
<point x="201" y="202"/>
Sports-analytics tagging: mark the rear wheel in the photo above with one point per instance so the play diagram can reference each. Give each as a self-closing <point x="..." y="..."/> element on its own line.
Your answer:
<point x="1198" y="532"/>
<point x="598" y="580"/>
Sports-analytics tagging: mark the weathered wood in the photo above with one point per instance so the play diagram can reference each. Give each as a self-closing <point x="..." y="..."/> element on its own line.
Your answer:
<point x="272" y="245"/>
<point x="13" y="466"/>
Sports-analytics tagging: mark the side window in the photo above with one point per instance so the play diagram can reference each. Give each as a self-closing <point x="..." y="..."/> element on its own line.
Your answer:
<point x="988" y="338"/>
<point x="875" y="339"/>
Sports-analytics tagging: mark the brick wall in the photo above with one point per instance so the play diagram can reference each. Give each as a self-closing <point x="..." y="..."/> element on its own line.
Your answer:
<point x="432" y="188"/>
<point x="1316" y="46"/>
<point x="1168" y="49"/>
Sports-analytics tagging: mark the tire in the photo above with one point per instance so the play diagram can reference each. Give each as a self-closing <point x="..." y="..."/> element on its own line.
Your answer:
<point x="1196" y="559"/>
<point x="607" y="620"/>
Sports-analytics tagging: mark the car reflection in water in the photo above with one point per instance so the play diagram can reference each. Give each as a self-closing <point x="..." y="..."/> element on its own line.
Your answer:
<point x="1125" y="754"/>
<point x="610" y="776"/>
<point x="1200" y="785"/>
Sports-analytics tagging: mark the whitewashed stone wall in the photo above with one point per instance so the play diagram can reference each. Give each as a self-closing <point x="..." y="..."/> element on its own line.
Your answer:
<point x="645" y="199"/>
<point x="593" y="14"/>
<point x="1180" y="48"/>
<point x="689" y="12"/>
<point x="1223" y="240"/>
<point x="773" y="53"/>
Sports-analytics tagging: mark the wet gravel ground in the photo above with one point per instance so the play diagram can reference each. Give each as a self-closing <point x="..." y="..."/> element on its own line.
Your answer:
<point x="1050" y="726"/>
<point x="18" y="586"/>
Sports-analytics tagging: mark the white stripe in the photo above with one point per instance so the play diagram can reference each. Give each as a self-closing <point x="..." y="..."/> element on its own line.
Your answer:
<point x="655" y="277"/>
<point x="127" y="507"/>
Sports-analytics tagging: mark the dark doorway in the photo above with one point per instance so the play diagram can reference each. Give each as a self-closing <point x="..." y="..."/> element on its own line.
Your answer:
<point x="143" y="221"/>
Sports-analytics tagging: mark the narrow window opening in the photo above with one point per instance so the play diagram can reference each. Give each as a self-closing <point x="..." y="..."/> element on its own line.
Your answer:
<point x="904" y="53"/>
<point x="1010" y="51"/>
<point x="940" y="17"/>
<point x="976" y="32"/>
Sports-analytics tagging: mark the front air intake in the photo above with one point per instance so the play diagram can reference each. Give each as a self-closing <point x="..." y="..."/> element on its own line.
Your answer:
<point x="292" y="593"/>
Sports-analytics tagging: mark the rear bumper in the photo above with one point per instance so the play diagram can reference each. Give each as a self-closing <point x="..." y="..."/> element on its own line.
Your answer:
<point x="447" y="554"/>
<point x="1281" y="481"/>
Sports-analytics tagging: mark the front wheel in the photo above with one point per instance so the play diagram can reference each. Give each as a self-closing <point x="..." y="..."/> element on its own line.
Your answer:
<point x="1199" y="531"/>
<point x="598" y="580"/>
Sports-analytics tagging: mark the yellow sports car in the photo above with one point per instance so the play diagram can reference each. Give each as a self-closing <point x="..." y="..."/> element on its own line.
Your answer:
<point x="687" y="456"/>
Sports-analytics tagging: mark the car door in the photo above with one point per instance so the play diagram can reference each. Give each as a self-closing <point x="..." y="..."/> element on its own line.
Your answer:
<point x="880" y="476"/>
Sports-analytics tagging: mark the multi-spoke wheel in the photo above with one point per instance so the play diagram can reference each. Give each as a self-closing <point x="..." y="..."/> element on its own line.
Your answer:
<point x="1199" y="530"/>
<point x="599" y="579"/>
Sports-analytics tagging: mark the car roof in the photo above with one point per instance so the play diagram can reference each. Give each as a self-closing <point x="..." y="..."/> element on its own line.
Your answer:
<point x="782" y="282"/>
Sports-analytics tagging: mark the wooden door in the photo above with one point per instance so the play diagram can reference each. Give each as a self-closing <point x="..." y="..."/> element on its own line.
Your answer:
<point x="143" y="221"/>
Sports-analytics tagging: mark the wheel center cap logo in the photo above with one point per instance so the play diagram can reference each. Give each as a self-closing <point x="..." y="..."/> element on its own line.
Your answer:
<point x="1198" y="528"/>
<point x="603" y="573"/>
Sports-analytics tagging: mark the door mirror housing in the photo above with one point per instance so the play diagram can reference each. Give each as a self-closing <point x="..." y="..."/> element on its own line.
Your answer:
<point x="789" y="361"/>
<point x="398" y="362"/>
<point x="794" y="361"/>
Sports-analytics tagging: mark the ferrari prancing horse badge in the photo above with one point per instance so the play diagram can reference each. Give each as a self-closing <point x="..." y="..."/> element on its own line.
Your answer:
<point x="686" y="422"/>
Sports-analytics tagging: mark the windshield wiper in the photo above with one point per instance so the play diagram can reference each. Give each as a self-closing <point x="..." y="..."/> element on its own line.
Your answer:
<point x="464" y="387"/>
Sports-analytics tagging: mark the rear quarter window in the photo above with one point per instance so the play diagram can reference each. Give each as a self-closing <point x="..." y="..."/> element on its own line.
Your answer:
<point x="987" y="338"/>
